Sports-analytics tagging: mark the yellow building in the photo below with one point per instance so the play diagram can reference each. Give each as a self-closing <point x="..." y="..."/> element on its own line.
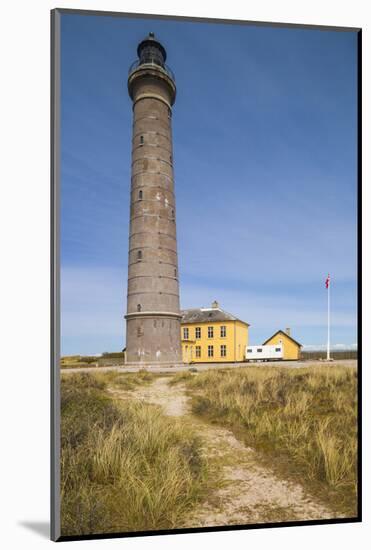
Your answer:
<point x="291" y="348"/>
<point x="211" y="335"/>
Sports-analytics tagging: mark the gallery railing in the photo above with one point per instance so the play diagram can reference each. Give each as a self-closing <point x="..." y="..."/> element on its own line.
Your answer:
<point x="149" y="63"/>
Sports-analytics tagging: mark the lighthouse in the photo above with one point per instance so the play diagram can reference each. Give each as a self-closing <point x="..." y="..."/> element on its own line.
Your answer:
<point x="153" y="312"/>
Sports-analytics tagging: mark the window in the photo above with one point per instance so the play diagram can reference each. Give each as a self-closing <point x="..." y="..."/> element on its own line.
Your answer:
<point x="223" y="331"/>
<point x="140" y="195"/>
<point x="198" y="332"/>
<point x="278" y="349"/>
<point x="210" y="332"/>
<point x="174" y="272"/>
<point x="259" y="350"/>
<point x="223" y="350"/>
<point x="171" y="158"/>
<point x="185" y="333"/>
<point x="210" y="351"/>
<point x="139" y="255"/>
<point x="198" y="351"/>
<point x="172" y="215"/>
<point x="249" y="350"/>
<point x="141" y="140"/>
<point x="169" y="112"/>
<point x="139" y="307"/>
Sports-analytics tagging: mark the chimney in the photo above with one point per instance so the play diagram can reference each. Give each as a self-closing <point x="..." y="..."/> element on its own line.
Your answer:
<point x="288" y="331"/>
<point x="215" y="305"/>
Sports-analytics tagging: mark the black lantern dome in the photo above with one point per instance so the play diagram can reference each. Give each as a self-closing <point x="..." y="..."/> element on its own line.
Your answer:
<point x="151" y="51"/>
<point x="151" y="62"/>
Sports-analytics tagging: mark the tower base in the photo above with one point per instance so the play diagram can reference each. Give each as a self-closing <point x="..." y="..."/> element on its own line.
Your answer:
<point x="153" y="338"/>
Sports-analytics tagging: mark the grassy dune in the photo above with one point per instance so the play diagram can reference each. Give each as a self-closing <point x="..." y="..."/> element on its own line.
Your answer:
<point x="304" y="420"/>
<point x="124" y="380"/>
<point x="124" y="465"/>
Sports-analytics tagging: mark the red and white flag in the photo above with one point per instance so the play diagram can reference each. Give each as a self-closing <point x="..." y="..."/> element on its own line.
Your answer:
<point x="328" y="281"/>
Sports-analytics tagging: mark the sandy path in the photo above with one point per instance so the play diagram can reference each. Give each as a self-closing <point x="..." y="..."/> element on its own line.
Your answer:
<point x="250" y="492"/>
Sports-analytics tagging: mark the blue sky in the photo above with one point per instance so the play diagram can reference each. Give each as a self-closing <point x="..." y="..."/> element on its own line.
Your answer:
<point x="264" y="130"/>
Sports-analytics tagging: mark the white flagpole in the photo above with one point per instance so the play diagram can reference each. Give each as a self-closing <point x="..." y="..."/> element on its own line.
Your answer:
<point x="328" y="319"/>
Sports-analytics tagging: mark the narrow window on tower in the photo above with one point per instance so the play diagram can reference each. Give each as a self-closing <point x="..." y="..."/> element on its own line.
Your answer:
<point x="139" y="255"/>
<point x="139" y="307"/>
<point x="141" y="140"/>
<point x="174" y="272"/>
<point x="169" y="112"/>
<point x="172" y="215"/>
<point x="171" y="158"/>
<point x="140" y="195"/>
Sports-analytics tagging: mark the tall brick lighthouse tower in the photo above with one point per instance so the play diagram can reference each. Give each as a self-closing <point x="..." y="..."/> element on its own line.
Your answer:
<point x="153" y="315"/>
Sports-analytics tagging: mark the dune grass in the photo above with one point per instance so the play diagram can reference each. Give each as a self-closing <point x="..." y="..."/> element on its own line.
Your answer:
<point x="125" y="380"/>
<point x="78" y="361"/>
<point x="125" y="466"/>
<point x="304" y="420"/>
<point x="180" y="377"/>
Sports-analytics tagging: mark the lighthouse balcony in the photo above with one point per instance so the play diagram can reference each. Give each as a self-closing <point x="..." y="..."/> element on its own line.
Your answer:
<point x="151" y="64"/>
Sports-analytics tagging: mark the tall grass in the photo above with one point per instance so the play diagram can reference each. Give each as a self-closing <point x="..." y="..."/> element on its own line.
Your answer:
<point x="125" y="380"/>
<point x="180" y="377"/>
<point x="305" y="419"/>
<point x="124" y="466"/>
